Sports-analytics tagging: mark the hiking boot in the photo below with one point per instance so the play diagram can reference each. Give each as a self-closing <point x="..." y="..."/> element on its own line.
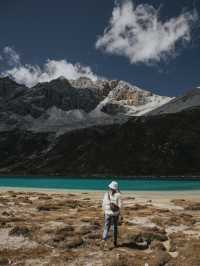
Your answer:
<point x="115" y="244"/>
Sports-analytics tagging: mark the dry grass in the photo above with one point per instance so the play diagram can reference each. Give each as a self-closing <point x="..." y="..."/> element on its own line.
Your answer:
<point x="119" y="261"/>
<point x="67" y="229"/>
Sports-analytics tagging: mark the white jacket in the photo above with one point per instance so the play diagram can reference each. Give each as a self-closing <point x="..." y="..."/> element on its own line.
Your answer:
<point x="115" y="198"/>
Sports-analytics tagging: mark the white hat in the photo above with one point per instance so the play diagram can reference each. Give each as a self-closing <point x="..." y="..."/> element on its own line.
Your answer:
<point x="113" y="185"/>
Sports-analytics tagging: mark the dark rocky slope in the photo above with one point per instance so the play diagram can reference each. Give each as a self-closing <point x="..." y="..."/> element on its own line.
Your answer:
<point x="158" y="145"/>
<point x="9" y="89"/>
<point x="62" y="105"/>
<point x="58" y="93"/>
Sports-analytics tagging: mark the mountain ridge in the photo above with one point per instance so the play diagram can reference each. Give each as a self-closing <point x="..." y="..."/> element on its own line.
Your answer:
<point x="190" y="99"/>
<point x="101" y="102"/>
<point x="42" y="134"/>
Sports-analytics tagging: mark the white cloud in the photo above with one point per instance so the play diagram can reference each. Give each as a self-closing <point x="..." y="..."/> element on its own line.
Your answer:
<point x="10" y="55"/>
<point x="137" y="33"/>
<point x="30" y="75"/>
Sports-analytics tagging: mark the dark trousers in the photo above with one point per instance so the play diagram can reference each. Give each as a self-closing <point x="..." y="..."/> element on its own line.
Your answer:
<point x="110" y="220"/>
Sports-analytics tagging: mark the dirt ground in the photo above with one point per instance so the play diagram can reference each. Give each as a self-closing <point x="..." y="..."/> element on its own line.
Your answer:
<point x="65" y="228"/>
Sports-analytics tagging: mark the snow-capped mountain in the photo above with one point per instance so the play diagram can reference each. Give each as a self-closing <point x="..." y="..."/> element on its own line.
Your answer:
<point x="120" y="97"/>
<point x="189" y="100"/>
<point x="62" y="105"/>
<point x="131" y="100"/>
<point x="81" y="127"/>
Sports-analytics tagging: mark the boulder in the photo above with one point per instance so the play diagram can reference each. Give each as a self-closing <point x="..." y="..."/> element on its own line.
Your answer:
<point x="135" y="241"/>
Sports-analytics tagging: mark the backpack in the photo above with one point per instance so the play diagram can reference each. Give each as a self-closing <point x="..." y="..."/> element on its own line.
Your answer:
<point x="113" y="206"/>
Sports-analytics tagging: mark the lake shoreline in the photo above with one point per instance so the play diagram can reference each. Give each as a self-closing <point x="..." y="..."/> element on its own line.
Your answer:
<point x="111" y="177"/>
<point x="160" y="196"/>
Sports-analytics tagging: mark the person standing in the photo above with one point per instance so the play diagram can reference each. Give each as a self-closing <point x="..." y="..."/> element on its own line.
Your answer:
<point x="111" y="205"/>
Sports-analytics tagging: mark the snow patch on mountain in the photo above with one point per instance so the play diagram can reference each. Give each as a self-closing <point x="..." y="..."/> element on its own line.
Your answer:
<point x="153" y="102"/>
<point x="134" y="100"/>
<point x="189" y="100"/>
<point x="62" y="105"/>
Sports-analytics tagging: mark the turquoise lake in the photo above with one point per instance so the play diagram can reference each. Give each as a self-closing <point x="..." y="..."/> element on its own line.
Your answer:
<point x="98" y="184"/>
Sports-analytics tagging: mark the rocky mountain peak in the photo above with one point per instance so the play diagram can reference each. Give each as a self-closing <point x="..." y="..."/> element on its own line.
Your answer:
<point x="129" y="94"/>
<point x="82" y="82"/>
<point x="59" y="83"/>
<point x="62" y="78"/>
<point x="63" y="103"/>
<point x="9" y="88"/>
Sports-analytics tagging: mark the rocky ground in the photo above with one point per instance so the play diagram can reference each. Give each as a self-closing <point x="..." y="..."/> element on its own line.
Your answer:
<point x="40" y="228"/>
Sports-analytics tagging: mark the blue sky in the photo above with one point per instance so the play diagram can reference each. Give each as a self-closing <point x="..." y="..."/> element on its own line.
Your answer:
<point x="68" y="30"/>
